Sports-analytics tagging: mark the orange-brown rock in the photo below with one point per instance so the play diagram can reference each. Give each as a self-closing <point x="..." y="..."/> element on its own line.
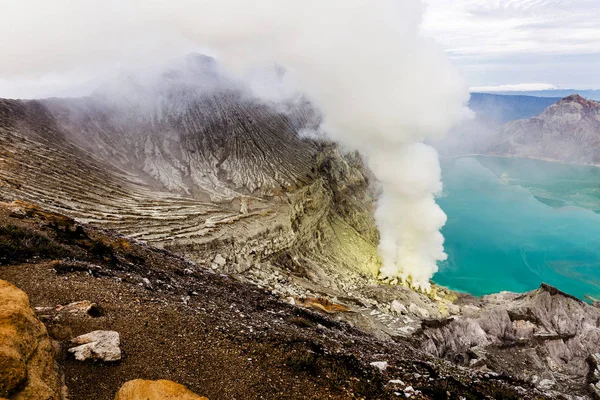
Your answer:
<point x="27" y="368"/>
<point x="323" y="304"/>
<point x="140" y="389"/>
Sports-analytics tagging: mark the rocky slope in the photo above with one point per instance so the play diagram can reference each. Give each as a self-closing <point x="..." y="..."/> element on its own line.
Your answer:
<point x="567" y="131"/>
<point x="190" y="166"/>
<point x="545" y="337"/>
<point x="279" y="275"/>
<point x="490" y="112"/>
<point x="193" y="163"/>
<point x="219" y="337"/>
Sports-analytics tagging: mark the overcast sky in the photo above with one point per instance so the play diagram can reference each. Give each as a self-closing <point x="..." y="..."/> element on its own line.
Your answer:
<point x="518" y="44"/>
<point x="512" y="42"/>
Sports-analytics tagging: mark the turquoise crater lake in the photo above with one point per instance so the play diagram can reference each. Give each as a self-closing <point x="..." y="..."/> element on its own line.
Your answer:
<point x="514" y="223"/>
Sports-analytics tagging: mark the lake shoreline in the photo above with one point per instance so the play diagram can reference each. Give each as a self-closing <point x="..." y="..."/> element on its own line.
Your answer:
<point x="551" y="160"/>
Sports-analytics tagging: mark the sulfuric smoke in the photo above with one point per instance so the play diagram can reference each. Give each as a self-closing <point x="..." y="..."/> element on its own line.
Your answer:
<point x="382" y="87"/>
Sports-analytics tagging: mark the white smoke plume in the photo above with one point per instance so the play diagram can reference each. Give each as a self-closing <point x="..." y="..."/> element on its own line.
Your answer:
<point x="382" y="87"/>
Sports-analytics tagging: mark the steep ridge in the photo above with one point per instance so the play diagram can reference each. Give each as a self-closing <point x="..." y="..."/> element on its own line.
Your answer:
<point x="568" y="131"/>
<point x="183" y="162"/>
<point x="209" y="139"/>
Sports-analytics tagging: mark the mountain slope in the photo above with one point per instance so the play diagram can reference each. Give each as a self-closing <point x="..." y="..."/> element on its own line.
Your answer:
<point x="567" y="131"/>
<point x="220" y="337"/>
<point x="186" y="131"/>
<point x="188" y="161"/>
<point x="490" y="112"/>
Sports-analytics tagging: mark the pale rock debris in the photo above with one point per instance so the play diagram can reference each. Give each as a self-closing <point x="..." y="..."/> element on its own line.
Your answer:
<point x="97" y="345"/>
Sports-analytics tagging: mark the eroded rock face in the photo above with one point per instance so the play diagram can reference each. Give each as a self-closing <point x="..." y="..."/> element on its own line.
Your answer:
<point x="593" y="376"/>
<point x="140" y="389"/>
<point x="27" y="368"/>
<point x="210" y="172"/>
<point x="545" y="337"/>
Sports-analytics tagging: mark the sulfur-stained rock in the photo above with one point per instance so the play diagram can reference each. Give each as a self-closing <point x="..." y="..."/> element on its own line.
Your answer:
<point x="27" y="368"/>
<point x="140" y="389"/>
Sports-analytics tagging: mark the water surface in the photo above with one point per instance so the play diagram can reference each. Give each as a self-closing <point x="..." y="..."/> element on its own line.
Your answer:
<point x="514" y="223"/>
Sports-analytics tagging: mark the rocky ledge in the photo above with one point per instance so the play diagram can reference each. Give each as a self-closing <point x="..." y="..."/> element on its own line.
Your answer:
<point x="545" y="337"/>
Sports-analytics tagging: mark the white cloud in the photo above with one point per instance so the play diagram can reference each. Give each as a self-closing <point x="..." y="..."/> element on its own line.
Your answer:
<point x="484" y="27"/>
<point x="488" y="34"/>
<point x="519" y="87"/>
<point x="363" y="63"/>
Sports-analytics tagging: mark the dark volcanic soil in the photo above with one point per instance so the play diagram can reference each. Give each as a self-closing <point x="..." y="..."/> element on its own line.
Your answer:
<point x="222" y="338"/>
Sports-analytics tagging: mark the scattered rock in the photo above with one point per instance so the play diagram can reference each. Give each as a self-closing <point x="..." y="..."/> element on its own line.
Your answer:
<point x="140" y="389"/>
<point x="27" y="368"/>
<point x="409" y="391"/>
<point x="436" y="322"/>
<point x="381" y="365"/>
<point x="470" y="310"/>
<point x="478" y="356"/>
<point x="396" y="382"/>
<point x="398" y="307"/>
<point x="453" y="309"/>
<point x="595" y="390"/>
<point x="418" y="311"/>
<point x="78" y="308"/>
<point x="594" y="362"/>
<point x="97" y="345"/>
<point x="322" y="304"/>
<point x="244" y="206"/>
<point x="546" y="384"/>
<point x="220" y="260"/>
<point x="593" y="377"/>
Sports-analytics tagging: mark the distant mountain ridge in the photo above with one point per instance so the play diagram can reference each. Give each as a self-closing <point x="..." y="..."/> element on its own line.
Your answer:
<point x="567" y="131"/>
<point x="592" y="94"/>
<point x="502" y="108"/>
<point x="490" y="112"/>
